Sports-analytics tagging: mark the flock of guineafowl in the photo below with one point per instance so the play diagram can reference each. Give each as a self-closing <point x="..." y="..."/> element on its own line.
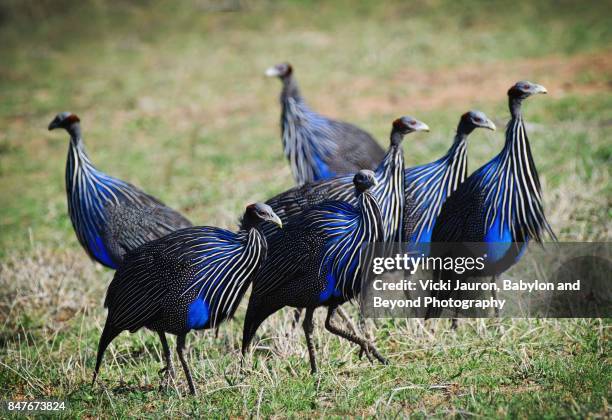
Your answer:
<point x="302" y="247"/>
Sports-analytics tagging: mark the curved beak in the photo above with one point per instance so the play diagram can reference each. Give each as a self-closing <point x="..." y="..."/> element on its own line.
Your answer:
<point x="272" y="72"/>
<point x="421" y="126"/>
<point x="489" y="124"/>
<point x="276" y="220"/>
<point x="540" y="89"/>
<point x="54" y="124"/>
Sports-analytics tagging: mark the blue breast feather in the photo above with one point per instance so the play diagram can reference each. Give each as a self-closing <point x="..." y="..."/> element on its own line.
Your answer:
<point x="431" y="177"/>
<point x="321" y="169"/>
<point x="197" y="314"/>
<point x="211" y="251"/>
<point x="316" y="132"/>
<point x="92" y="218"/>
<point x="339" y="222"/>
<point x="498" y="236"/>
<point x="99" y="251"/>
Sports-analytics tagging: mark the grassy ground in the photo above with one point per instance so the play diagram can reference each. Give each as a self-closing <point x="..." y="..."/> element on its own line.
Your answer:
<point x="173" y="99"/>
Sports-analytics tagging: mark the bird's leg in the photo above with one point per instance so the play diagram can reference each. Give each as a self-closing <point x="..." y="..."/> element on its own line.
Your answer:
<point x="366" y="346"/>
<point x="455" y="320"/>
<point x="297" y="312"/>
<point x="180" y="346"/>
<point x="308" y="328"/>
<point x="348" y="320"/>
<point x="363" y="328"/>
<point x="168" y="370"/>
<point x="494" y="294"/>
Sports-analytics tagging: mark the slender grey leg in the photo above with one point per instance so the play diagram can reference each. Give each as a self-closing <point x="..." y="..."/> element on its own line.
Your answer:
<point x="180" y="346"/>
<point x="366" y="346"/>
<point x="168" y="370"/>
<point x="453" y="324"/>
<point x="308" y="328"/>
<point x="297" y="312"/>
<point x="349" y="321"/>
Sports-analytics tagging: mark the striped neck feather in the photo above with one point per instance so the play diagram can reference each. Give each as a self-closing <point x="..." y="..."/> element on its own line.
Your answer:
<point x="513" y="192"/>
<point x="348" y="229"/>
<point x="307" y="141"/>
<point x="430" y="185"/>
<point x="89" y="191"/>
<point x="390" y="191"/>
<point x="225" y="263"/>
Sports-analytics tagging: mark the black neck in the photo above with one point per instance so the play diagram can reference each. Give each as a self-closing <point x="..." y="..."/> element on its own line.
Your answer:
<point x="515" y="106"/>
<point x="464" y="129"/>
<point x="396" y="138"/>
<point x="251" y="221"/>
<point x="75" y="133"/>
<point x="513" y="140"/>
<point x="290" y="89"/>
<point x="458" y="142"/>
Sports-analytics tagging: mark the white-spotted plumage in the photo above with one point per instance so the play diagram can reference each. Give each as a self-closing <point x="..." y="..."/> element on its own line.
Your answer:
<point x="205" y="263"/>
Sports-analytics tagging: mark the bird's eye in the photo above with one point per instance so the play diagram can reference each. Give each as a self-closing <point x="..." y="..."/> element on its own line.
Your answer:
<point x="478" y="120"/>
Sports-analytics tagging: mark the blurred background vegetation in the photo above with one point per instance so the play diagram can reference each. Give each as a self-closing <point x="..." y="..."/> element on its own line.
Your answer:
<point x="172" y="98"/>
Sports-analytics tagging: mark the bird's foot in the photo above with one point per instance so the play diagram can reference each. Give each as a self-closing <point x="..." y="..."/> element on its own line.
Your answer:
<point x="166" y="375"/>
<point x="365" y="350"/>
<point x="383" y="360"/>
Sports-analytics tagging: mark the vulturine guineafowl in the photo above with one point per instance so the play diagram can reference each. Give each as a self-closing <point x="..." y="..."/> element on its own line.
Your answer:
<point x="428" y="186"/>
<point x="193" y="278"/>
<point x="110" y="216"/>
<point x="500" y="204"/>
<point x="318" y="147"/>
<point x="316" y="260"/>
<point x="389" y="190"/>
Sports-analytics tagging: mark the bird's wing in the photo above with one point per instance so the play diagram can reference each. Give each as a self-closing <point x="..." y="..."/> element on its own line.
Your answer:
<point x="291" y="251"/>
<point x="166" y="219"/>
<point x="132" y="225"/>
<point x="137" y="291"/>
<point x="298" y="249"/>
<point x="299" y="199"/>
<point x="357" y="149"/>
<point x="194" y="258"/>
<point x="462" y="217"/>
<point x="340" y="223"/>
<point x="223" y="263"/>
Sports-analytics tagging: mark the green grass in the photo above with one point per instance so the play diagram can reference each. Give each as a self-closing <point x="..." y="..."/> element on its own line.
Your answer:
<point x="172" y="98"/>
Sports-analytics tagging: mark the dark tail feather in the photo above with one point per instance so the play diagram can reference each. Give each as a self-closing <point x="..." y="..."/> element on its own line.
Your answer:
<point x="108" y="335"/>
<point x="255" y="316"/>
<point x="250" y="326"/>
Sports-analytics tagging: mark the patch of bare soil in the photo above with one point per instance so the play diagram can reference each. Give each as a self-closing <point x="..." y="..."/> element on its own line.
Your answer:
<point x="460" y="86"/>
